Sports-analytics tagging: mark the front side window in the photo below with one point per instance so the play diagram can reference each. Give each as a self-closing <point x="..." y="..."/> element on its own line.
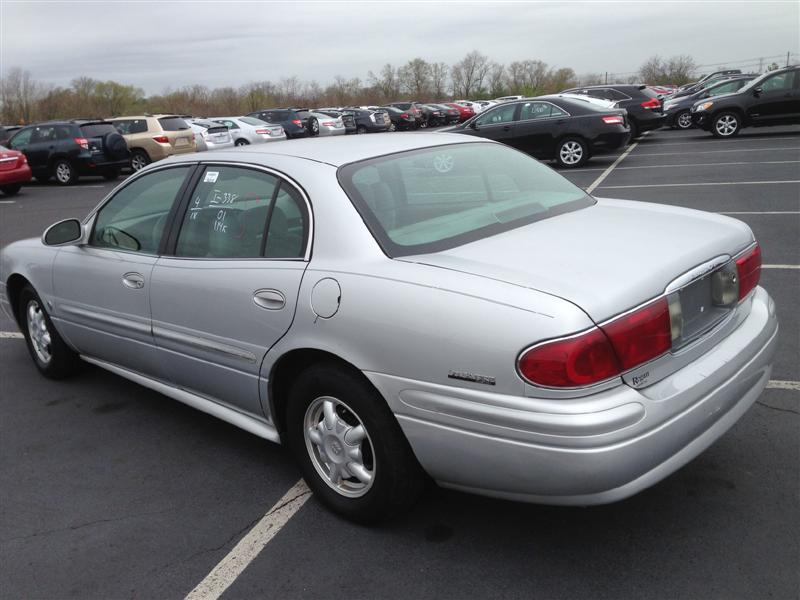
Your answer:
<point x="725" y="88"/>
<point x="134" y="219"/>
<point x="782" y="82"/>
<point x="44" y="134"/>
<point x="239" y="213"/>
<point x="504" y="114"/>
<point x="436" y="198"/>
<point x="21" y="139"/>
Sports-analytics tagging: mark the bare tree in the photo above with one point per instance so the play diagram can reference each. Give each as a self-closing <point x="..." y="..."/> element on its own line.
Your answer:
<point x="652" y="71"/>
<point x="439" y="75"/>
<point x="526" y="77"/>
<point x="19" y="96"/>
<point x="496" y="79"/>
<point x="386" y="83"/>
<point x="469" y="74"/>
<point x="679" y="70"/>
<point x="415" y="78"/>
<point x="560" y="79"/>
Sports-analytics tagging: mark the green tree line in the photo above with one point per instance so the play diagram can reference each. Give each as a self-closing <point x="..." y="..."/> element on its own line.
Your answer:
<point x="476" y="76"/>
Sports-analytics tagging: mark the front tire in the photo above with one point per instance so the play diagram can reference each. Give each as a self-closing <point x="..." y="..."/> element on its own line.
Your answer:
<point x="12" y="189"/>
<point x="572" y="152"/>
<point x="683" y="120"/>
<point x="349" y="446"/>
<point x="726" y="125"/>
<point x="50" y="353"/>
<point x="64" y="173"/>
<point x="139" y="160"/>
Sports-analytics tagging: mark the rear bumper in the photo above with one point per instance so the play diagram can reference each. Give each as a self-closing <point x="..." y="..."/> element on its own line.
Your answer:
<point x="607" y="142"/>
<point x="98" y="164"/>
<point x="18" y="175"/>
<point x="650" y="121"/>
<point x="592" y="450"/>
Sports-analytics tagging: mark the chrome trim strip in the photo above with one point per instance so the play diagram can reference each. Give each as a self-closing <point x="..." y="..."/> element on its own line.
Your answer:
<point x="203" y="344"/>
<point x="106" y="319"/>
<point x="230" y="415"/>
<point x="697" y="272"/>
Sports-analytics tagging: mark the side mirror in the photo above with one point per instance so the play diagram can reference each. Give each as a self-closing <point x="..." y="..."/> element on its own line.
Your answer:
<point x="63" y="233"/>
<point x="473" y="125"/>
<point x="758" y="91"/>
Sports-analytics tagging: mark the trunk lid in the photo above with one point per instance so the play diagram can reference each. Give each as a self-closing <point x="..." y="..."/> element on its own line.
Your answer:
<point x="607" y="258"/>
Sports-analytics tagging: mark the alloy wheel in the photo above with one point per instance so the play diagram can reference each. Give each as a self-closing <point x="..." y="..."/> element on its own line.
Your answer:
<point x="339" y="446"/>
<point x="38" y="332"/>
<point x="726" y="125"/>
<point x="138" y="162"/>
<point x="571" y="152"/>
<point x="684" y="120"/>
<point x="63" y="172"/>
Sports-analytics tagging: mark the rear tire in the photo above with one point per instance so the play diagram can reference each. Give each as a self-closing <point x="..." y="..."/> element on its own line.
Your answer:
<point x="50" y="353"/>
<point x="241" y="142"/>
<point x="12" y="189"/>
<point x="64" y="173"/>
<point x="726" y="125"/>
<point x="634" y="132"/>
<point x="361" y="129"/>
<point x="326" y="406"/>
<point x="572" y="152"/>
<point x="139" y="160"/>
<point x="313" y="127"/>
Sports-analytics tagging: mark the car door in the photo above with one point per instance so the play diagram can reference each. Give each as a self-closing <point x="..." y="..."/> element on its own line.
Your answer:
<point x="22" y="142"/>
<point x="777" y="100"/>
<point x="102" y="288"/>
<point x="497" y="123"/>
<point x="227" y="289"/>
<point x="538" y="127"/>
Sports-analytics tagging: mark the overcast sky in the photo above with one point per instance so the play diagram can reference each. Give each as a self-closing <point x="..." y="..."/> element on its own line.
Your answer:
<point x="155" y="45"/>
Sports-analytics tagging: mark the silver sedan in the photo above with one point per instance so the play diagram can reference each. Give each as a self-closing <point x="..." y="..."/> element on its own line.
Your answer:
<point x="248" y="130"/>
<point x="399" y="306"/>
<point x="324" y="125"/>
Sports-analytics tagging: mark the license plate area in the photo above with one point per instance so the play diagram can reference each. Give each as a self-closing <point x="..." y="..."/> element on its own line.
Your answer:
<point x="702" y="306"/>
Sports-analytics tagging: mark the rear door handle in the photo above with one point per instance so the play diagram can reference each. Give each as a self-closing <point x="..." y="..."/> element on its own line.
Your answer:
<point x="269" y="299"/>
<point x="134" y="281"/>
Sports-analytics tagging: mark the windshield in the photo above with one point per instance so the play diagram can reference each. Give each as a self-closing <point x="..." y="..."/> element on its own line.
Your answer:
<point x="437" y="198"/>
<point x="754" y="82"/>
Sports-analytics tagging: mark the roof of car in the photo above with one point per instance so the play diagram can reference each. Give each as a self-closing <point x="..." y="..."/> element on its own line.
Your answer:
<point x="339" y="150"/>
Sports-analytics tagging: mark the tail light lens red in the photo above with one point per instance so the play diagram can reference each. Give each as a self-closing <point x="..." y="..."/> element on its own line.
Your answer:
<point x="748" y="268"/>
<point x="652" y="103"/>
<point x="601" y="352"/>
<point x="297" y="122"/>
<point x="82" y="142"/>
<point x="262" y="131"/>
<point x="161" y="139"/>
<point x="404" y="116"/>
<point x="613" y="120"/>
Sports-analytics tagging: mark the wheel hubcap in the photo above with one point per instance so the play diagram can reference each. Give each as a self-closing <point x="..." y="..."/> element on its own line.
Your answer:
<point x="726" y="125"/>
<point x="137" y="162"/>
<point x="38" y="332"/>
<point x="571" y="153"/>
<point x="339" y="446"/>
<point x="685" y="121"/>
<point x="63" y="172"/>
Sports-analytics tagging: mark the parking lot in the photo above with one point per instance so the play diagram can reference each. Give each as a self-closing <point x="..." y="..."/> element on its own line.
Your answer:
<point x="110" y="490"/>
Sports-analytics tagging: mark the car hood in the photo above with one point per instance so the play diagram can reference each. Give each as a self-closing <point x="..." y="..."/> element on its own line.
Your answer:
<point x="606" y="258"/>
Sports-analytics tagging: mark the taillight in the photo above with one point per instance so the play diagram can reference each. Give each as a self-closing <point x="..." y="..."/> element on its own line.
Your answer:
<point x="652" y="103"/>
<point x="161" y="139"/>
<point x="748" y="268"/>
<point x="403" y="116"/>
<point x="329" y="123"/>
<point x="82" y="142"/>
<point x="641" y="335"/>
<point x="575" y="361"/>
<point x="262" y="131"/>
<point x="613" y="120"/>
<point x="601" y="352"/>
<point x="297" y="122"/>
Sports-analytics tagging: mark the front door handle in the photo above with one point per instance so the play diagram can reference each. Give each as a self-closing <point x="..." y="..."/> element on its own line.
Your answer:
<point x="134" y="281"/>
<point x="269" y="299"/>
<point x="507" y="128"/>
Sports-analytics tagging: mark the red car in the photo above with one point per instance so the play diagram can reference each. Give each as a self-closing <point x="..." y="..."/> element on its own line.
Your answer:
<point x="465" y="112"/>
<point x="14" y="171"/>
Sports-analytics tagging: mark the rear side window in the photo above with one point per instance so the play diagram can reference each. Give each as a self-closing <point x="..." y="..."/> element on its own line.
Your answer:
<point x="301" y="114"/>
<point x="441" y="197"/>
<point x="248" y="120"/>
<point x="134" y="219"/>
<point x="649" y="92"/>
<point x="173" y="124"/>
<point x="239" y="213"/>
<point x="276" y="116"/>
<point x="97" y="130"/>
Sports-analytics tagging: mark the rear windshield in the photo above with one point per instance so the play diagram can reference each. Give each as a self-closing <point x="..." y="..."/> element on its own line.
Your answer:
<point x="252" y="121"/>
<point x="302" y="114"/>
<point x="173" y="124"/>
<point x="437" y="198"/>
<point x="650" y="92"/>
<point x="97" y="129"/>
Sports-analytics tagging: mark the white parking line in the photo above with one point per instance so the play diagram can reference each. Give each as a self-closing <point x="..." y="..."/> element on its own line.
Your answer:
<point x="607" y="172"/>
<point x="230" y="567"/>
<point x="674" y="166"/>
<point x="10" y="335"/>
<point x="759" y="212"/>
<point x="780" y="266"/>
<point x="718" y="151"/>
<point x="707" y="141"/>
<point x="777" y="384"/>
<point x="7" y="201"/>
<point x="652" y="185"/>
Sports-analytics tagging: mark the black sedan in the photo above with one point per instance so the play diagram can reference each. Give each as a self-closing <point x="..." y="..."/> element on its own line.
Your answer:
<point x="451" y="115"/>
<point x="678" y="110"/>
<point x="401" y="120"/>
<point x="293" y="120"/>
<point x="368" y="121"/>
<point x="567" y="130"/>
